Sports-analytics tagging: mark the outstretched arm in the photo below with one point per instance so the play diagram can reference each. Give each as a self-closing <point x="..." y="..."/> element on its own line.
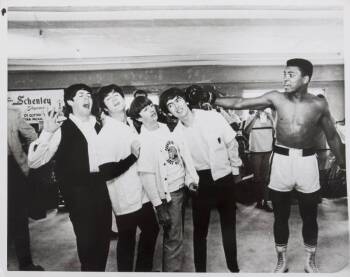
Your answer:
<point x="113" y="170"/>
<point x="228" y="136"/>
<point x="333" y="138"/>
<point x="239" y="103"/>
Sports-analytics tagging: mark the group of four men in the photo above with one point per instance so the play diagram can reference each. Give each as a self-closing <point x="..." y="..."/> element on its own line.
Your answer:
<point x="142" y="177"/>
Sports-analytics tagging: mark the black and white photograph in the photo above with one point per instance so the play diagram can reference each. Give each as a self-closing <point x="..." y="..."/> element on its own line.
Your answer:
<point x="174" y="136"/>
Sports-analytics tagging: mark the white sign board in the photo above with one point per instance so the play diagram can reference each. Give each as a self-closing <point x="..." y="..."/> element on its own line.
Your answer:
<point x="32" y="103"/>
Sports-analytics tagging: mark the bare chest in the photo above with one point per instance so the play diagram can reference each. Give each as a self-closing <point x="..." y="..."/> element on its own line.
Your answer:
<point x="297" y="123"/>
<point x="298" y="115"/>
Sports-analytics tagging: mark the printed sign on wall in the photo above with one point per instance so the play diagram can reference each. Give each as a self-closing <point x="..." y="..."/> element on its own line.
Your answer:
<point x="32" y="103"/>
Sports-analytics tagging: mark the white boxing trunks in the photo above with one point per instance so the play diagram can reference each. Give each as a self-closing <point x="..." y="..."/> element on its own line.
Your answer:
<point x="294" y="168"/>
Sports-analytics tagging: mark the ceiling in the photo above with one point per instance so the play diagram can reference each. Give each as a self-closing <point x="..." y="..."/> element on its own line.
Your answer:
<point x="100" y="35"/>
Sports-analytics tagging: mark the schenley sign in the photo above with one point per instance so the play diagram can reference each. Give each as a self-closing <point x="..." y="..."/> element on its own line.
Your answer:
<point x="22" y="99"/>
<point x="32" y="103"/>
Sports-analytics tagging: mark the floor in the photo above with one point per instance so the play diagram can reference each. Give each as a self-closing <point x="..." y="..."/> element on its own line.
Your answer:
<point x="53" y="243"/>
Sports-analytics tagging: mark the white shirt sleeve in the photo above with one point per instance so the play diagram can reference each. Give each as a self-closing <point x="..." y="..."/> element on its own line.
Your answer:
<point x="229" y="137"/>
<point x="191" y="175"/>
<point x="44" y="148"/>
<point x="147" y="163"/>
<point x="148" y="181"/>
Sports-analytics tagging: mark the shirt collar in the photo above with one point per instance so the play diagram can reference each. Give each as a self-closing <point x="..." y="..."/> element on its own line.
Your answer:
<point x="78" y="121"/>
<point x="144" y="129"/>
<point x="112" y="120"/>
<point x="182" y="125"/>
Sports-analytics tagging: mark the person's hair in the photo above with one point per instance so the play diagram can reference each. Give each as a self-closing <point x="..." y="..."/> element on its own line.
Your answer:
<point x="305" y="66"/>
<point x="193" y="94"/>
<point x="69" y="94"/>
<point x="137" y="106"/>
<point x="198" y="97"/>
<point x="104" y="91"/>
<point x="167" y="95"/>
<point x="140" y="92"/>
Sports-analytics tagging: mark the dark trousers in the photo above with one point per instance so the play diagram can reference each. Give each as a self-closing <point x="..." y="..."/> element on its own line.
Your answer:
<point x="90" y="213"/>
<point x="220" y="195"/>
<point x="127" y="224"/>
<point x="308" y="202"/>
<point x="17" y="224"/>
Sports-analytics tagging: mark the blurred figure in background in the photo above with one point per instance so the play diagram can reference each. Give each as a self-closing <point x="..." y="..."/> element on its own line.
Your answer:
<point x="260" y="130"/>
<point x="19" y="135"/>
<point x="197" y="98"/>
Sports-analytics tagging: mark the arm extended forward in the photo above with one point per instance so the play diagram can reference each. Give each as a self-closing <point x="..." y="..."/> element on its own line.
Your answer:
<point x="239" y="103"/>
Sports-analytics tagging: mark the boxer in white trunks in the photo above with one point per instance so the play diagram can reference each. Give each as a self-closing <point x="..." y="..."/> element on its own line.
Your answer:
<point x="300" y="116"/>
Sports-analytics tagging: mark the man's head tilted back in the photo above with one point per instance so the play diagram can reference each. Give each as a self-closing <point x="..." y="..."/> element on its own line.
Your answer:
<point x="137" y="105"/>
<point x="104" y="91"/>
<point x="70" y="92"/>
